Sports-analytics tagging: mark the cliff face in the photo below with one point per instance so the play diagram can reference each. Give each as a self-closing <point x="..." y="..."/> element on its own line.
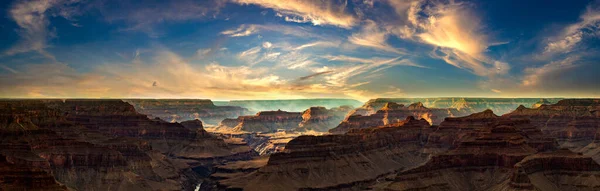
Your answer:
<point x="269" y="121"/>
<point x="335" y="160"/>
<point x="498" y="153"/>
<point x="470" y="105"/>
<point x="570" y="120"/>
<point x="321" y="119"/>
<point x="178" y="110"/>
<point x="101" y="145"/>
<point x="293" y="105"/>
<point x="392" y="112"/>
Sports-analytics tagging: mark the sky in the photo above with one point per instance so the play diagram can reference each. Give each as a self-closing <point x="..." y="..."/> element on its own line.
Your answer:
<point x="295" y="49"/>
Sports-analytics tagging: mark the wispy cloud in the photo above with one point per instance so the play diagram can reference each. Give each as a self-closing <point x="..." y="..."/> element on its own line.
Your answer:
<point x="373" y="37"/>
<point x="32" y="19"/>
<point x="314" y="75"/>
<point x="318" y="44"/>
<point x="243" y="30"/>
<point x="533" y="75"/>
<point x="145" y="16"/>
<point x="573" y="34"/>
<point x="455" y="32"/>
<point x="316" y="12"/>
<point x="251" y="29"/>
<point x="342" y="74"/>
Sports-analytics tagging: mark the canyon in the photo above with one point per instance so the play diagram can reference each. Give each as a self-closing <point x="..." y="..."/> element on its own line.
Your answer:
<point x="177" y="110"/>
<point x="393" y="112"/>
<point x="102" y="145"/>
<point x="89" y="144"/>
<point x="481" y="151"/>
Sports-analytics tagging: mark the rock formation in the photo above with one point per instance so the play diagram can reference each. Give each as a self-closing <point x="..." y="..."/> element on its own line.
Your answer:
<point x="322" y="119"/>
<point x="313" y="119"/>
<point x="497" y="153"/>
<point x="540" y="103"/>
<point x="292" y="105"/>
<point x="100" y="145"/>
<point x="392" y="112"/>
<point x="469" y="105"/>
<point x="177" y="110"/>
<point x="574" y="122"/>
<point x="338" y="161"/>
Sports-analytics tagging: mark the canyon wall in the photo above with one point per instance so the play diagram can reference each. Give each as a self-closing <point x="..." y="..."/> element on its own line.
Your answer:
<point x="177" y="110"/>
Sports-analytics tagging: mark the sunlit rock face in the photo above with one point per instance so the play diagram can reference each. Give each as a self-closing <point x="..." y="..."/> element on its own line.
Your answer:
<point x="481" y="151"/>
<point x="101" y="145"/>
<point x="540" y="103"/>
<point x="297" y="105"/>
<point x="498" y="153"/>
<point x="574" y="122"/>
<point x="469" y="105"/>
<point x="337" y="161"/>
<point x="392" y="112"/>
<point x="318" y="119"/>
<point x="322" y="119"/>
<point x="177" y="110"/>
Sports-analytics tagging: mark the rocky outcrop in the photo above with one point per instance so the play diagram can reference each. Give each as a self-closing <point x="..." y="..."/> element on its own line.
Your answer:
<point x="292" y="105"/>
<point x="558" y="170"/>
<point x="573" y="121"/>
<point x="321" y="119"/>
<point x="469" y="105"/>
<point x="498" y="153"/>
<point x="540" y="103"/>
<point x="177" y="110"/>
<point x="265" y="121"/>
<point x="392" y="112"/>
<point x="102" y="145"/>
<point x="337" y="161"/>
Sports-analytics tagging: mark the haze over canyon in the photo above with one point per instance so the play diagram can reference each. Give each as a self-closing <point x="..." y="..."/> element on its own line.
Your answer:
<point x="194" y="95"/>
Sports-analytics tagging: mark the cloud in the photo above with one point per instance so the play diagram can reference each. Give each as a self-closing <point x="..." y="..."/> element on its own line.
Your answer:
<point x="251" y="29"/>
<point x="242" y="30"/>
<point x="535" y="74"/>
<point x="373" y="62"/>
<point x="203" y="53"/>
<point x="373" y="37"/>
<point x="314" y="75"/>
<point x="145" y="16"/>
<point x="573" y="34"/>
<point x="318" y="44"/>
<point x="8" y="69"/>
<point x="164" y="75"/>
<point x="32" y="19"/>
<point x="267" y="44"/>
<point x="316" y="12"/>
<point x="453" y="30"/>
<point x="342" y="74"/>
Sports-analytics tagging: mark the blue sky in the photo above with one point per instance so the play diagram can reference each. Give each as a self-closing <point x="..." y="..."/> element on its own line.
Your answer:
<point x="283" y="49"/>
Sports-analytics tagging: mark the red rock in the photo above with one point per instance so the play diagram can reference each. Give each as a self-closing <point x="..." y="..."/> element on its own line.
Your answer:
<point x="392" y="113"/>
<point x="177" y="110"/>
<point x="359" y="155"/>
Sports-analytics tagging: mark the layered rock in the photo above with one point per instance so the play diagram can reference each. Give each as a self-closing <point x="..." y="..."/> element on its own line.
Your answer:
<point x="497" y="153"/>
<point x="573" y="121"/>
<point x="321" y="119"/>
<point x="293" y="105"/>
<point x="558" y="170"/>
<point x="338" y="161"/>
<point x="470" y="105"/>
<point x="177" y="110"/>
<point x="540" y="103"/>
<point x="265" y="121"/>
<point x="392" y="112"/>
<point x="103" y="144"/>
